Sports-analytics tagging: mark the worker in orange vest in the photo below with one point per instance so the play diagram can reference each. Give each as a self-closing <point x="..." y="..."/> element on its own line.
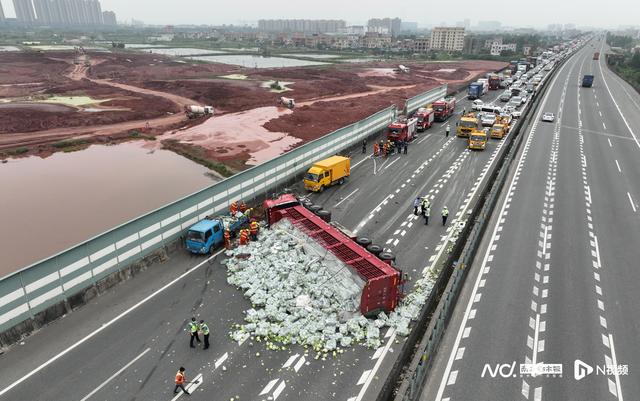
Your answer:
<point x="385" y="149"/>
<point x="376" y="149"/>
<point x="244" y="237"/>
<point x="233" y="208"/>
<point x="227" y="239"/>
<point x="243" y="207"/>
<point x="180" y="380"/>
<point x="253" y="227"/>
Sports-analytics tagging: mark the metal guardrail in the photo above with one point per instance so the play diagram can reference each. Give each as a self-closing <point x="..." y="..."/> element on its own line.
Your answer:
<point x="406" y="381"/>
<point x="35" y="288"/>
<point x="412" y="104"/>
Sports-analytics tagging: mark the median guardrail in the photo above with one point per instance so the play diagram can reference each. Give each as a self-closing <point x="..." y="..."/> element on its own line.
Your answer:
<point x="41" y="292"/>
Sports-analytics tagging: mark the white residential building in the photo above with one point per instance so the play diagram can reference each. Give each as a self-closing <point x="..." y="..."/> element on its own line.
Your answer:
<point x="447" y="38"/>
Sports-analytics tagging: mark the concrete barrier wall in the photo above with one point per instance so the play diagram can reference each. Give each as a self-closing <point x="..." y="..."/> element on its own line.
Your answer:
<point x="42" y="290"/>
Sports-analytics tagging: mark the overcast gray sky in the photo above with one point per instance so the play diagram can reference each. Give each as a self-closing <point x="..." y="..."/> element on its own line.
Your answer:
<point x="539" y="13"/>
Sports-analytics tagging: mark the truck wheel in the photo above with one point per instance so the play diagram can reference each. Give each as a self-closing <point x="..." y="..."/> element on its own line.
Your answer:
<point x="364" y="241"/>
<point x="341" y="181"/>
<point x="308" y="204"/>
<point x="314" y="208"/>
<point x="212" y="249"/>
<point x="324" y="215"/>
<point x="321" y="188"/>
<point x="375" y="249"/>
<point x="387" y="256"/>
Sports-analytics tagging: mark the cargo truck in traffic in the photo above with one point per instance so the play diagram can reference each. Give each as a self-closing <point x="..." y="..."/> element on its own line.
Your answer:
<point x="327" y="172"/>
<point x="475" y="91"/>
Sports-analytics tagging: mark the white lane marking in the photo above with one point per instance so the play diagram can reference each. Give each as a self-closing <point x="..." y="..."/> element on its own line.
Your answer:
<point x="537" y="394"/>
<point x="615" y="363"/>
<point x="361" y="161"/>
<point x="221" y="360"/>
<point x="389" y="165"/>
<point x="106" y="325"/>
<point x="618" y="108"/>
<point x="191" y="387"/>
<point x="363" y="377"/>
<point x="378" y="352"/>
<point x="610" y="145"/>
<point x="269" y="386"/>
<point x="290" y="361"/>
<point x="618" y="165"/>
<point x="460" y="353"/>
<point x="373" y="371"/>
<point x="630" y="201"/>
<point x="595" y="240"/>
<point x="299" y="364"/>
<point x="525" y="389"/>
<point x="104" y="383"/>
<point x="346" y="197"/>
<point x="452" y="378"/>
<point x="278" y="390"/>
<point x="536" y="334"/>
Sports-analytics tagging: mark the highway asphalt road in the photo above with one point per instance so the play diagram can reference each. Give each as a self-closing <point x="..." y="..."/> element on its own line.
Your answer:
<point x="555" y="280"/>
<point x="129" y="343"/>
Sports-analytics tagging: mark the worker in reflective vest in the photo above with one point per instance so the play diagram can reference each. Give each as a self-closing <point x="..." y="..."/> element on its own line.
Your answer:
<point x="180" y="380"/>
<point x="205" y="333"/>
<point x="376" y="149"/>
<point x="253" y="227"/>
<point x="445" y="214"/>
<point x="227" y="239"/>
<point x="233" y="208"/>
<point x="243" y="207"/>
<point x="193" y="331"/>
<point x="244" y="237"/>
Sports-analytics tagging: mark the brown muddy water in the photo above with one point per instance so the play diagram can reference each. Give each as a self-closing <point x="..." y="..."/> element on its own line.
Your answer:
<point x="48" y="205"/>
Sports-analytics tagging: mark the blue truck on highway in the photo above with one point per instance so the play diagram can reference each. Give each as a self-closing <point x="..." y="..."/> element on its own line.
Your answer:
<point x="207" y="235"/>
<point x="475" y="90"/>
<point x="587" y="81"/>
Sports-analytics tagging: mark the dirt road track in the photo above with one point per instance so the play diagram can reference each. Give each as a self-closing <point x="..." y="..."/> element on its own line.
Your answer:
<point x="79" y="72"/>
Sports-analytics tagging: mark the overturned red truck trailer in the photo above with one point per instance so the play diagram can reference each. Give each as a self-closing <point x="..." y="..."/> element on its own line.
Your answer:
<point x="383" y="283"/>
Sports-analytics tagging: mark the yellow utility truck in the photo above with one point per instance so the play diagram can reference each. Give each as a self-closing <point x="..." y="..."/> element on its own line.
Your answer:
<point x="467" y="124"/>
<point x="478" y="140"/>
<point x="501" y="127"/>
<point x="327" y="172"/>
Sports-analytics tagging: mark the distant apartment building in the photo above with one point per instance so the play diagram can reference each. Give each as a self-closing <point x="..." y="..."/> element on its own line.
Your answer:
<point x="353" y="30"/>
<point x="447" y="38"/>
<point x="301" y="25"/>
<point x="60" y="12"/>
<point x="497" y="49"/>
<point x="392" y="26"/>
<point x="109" y="18"/>
<point x="374" y="40"/>
<point x="24" y="11"/>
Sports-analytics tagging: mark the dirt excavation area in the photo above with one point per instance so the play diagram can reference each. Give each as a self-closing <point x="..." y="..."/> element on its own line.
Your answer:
<point x="49" y="97"/>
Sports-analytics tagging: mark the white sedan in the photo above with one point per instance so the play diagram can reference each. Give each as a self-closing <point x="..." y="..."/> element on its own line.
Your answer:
<point x="549" y="117"/>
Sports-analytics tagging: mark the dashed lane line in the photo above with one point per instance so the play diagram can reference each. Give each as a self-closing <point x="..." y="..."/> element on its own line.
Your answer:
<point x="104" y="383"/>
<point x="346" y="197"/>
<point x="633" y="206"/>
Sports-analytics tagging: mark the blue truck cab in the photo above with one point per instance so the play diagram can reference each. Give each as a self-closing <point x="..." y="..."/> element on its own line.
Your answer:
<point x="207" y="235"/>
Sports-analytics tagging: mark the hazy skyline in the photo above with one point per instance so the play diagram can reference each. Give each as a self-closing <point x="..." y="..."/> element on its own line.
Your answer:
<point x="510" y="13"/>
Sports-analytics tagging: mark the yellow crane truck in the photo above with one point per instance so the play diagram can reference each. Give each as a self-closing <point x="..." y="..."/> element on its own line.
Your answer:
<point x="467" y="124"/>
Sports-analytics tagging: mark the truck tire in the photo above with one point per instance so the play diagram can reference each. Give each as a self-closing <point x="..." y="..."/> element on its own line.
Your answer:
<point x="364" y="241"/>
<point x="324" y="215"/>
<point x="341" y="181"/>
<point x="388" y="257"/>
<point x="315" y="208"/>
<point x="212" y="249"/>
<point x="307" y="204"/>
<point x="321" y="189"/>
<point x="375" y="249"/>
